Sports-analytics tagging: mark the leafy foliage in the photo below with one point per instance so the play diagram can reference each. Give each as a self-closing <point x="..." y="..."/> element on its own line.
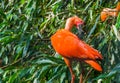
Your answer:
<point x="26" y="54"/>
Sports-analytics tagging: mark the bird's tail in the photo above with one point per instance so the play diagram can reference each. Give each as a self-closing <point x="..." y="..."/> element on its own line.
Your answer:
<point x="118" y="6"/>
<point x="94" y="64"/>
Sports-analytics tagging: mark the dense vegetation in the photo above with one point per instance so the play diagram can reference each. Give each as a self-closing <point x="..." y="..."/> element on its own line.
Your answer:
<point x="26" y="54"/>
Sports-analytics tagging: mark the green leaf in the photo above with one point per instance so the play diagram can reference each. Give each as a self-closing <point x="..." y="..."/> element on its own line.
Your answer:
<point x="116" y="32"/>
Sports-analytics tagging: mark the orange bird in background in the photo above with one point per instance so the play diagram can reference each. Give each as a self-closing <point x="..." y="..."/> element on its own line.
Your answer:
<point x="71" y="48"/>
<point x="106" y="12"/>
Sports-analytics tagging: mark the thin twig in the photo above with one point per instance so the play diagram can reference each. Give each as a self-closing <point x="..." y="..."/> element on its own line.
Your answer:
<point x="3" y="67"/>
<point x="87" y="75"/>
<point x="31" y="58"/>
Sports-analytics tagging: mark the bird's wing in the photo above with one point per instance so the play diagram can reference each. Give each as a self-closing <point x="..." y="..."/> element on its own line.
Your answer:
<point x="91" y="52"/>
<point x="73" y="47"/>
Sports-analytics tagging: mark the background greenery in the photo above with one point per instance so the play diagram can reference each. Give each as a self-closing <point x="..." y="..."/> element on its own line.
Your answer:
<point x="26" y="54"/>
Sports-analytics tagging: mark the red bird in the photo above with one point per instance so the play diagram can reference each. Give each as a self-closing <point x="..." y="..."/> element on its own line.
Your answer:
<point x="70" y="47"/>
<point x="110" y="12"/>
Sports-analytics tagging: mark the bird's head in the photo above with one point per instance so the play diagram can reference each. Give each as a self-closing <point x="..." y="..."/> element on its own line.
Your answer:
<point x="75" y="20"/>
<point x="78" y="22"/>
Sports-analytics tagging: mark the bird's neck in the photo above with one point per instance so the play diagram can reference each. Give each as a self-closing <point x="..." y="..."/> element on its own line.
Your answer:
<point x="69" y="24"/>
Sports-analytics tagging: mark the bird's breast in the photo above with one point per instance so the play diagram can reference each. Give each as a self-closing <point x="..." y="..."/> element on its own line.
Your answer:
<point x="61" y="41"/>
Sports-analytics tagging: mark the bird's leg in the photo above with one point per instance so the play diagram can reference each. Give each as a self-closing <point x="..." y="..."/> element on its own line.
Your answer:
<point x="68" y="63"/>
<point x="72" y="74"/>
<point x="81" y="78"/>
<point x="82" y="72"/>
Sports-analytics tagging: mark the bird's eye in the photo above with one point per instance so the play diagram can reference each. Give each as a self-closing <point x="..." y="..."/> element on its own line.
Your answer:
<point x="81" y="21"/>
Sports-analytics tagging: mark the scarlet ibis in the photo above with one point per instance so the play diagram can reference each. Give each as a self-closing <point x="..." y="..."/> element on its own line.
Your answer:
<point x="110" y="12"/>
<point x="71" y="48"/>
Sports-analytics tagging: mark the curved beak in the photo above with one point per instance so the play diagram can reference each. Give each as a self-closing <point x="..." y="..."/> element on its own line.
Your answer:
<point x="80" y="30"/>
